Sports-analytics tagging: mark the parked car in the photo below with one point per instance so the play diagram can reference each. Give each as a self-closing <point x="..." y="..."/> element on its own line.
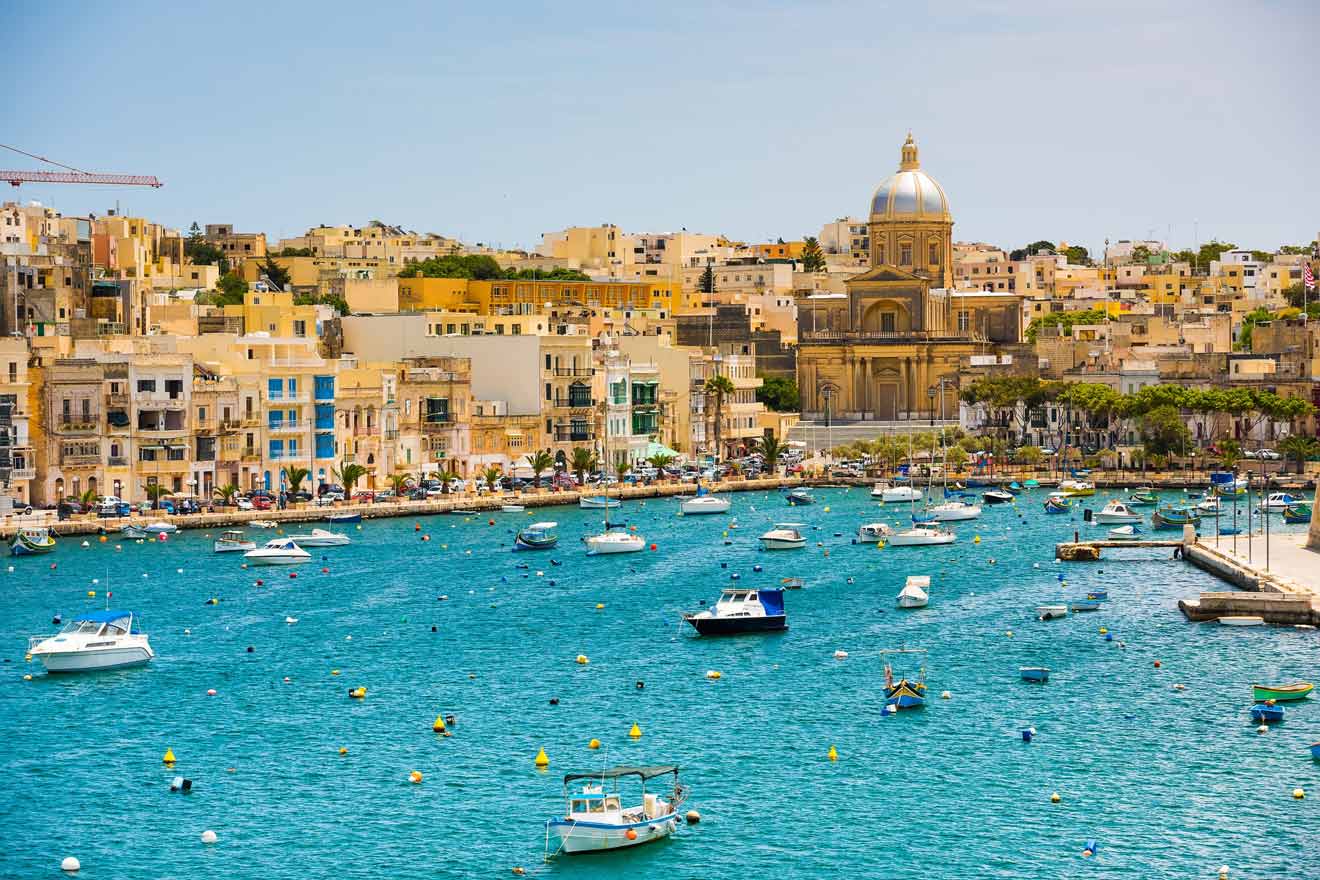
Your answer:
<point x="261" y="502"/>
<point x="1264" y="455"/>
<point x="329" y="488"/>
<point x="364" y="497"/>
<point x="242" y="503"/>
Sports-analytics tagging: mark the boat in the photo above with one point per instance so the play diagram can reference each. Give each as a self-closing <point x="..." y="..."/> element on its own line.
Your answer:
<point x="904" y="693"/>
<point x="1030" y="483"/>
<point x="1051" y="612"/>
<point x="93" y="641"/>
<point x="133" y="533"/>
<point x="596" y="820"/>
<point x="784" y="536"/>
<point x="1117" y="513"/>
<point x="792" y="583"/>
<point x="1014" y="487"/>
<point x="1034" y="673"/>
<point x="1297" y="513"/>
<point x="615" y="539"/>
<point x="281" y="551"/>
<point x="1242" y="620"/>
<point x="1084" y="605"/>
<point x="873" y="533"/>
<point x="597" y="502"/>
<point x="1209" y="506"/>
<point x="1098" y="594"/>
<point x="1170" y="517"/>
<point x="998" y="496"/>
<point x="320" y="538"/>
<point x="1143" y="498"/>
<point x="31" y="542"/>
<point x="797" y="497"/>
<point x="1315" y="751"/>
<point x="343" y="518"/>
<point x="915" y="593"/>
<point x="921" y="535"/>
<point x="537" y="536"/>
<point x="160" y="527"/>
<point x="1282" y="693"/>
<point x="512" y="508"/>
<point x="263" y="524"/>
<point x="232" y="541"/>
<point x="1077" y="488"/>
<point x="741" y="611"/>
<point x="1266" y="713"/>
<point x="1279" y="501"/>
<point x="703" y="502"/>
<point x="1055" y="504"/>
<point x="952" y="511"/>
<point x="888" y="492"/>
<point x="1125" y="533"/>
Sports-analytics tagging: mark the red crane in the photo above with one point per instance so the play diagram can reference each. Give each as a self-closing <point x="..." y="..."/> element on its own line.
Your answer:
<point x="73" y="175"/>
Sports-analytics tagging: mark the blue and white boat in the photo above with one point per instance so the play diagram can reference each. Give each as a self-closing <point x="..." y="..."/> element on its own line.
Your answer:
<point x="596" y="818"/>
<point x="93" y="641"/>
<point x="1266" y="713"/>
<point x="1085" y="605"/>
<point x="905" y="693"/>
<point x="597" y="502"/>
<point x="798" y="497"/>
<point x="1315" y="751"/>
<point x="703" y="502"/>
<point x="32" y="542"/>
<point x="343" y="518"/>
<point x="537" y="536"/>
<point x="742" y="611"/>
<point x="1034" y="673"/>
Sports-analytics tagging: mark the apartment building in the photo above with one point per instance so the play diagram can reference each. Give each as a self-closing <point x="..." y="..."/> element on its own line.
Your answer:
<point x="739" y="414"/>
<point x="238" y="247"/>
<point x="572" y="390"/>
<point x="17" y="458"/>
<point x="436" y="395"/>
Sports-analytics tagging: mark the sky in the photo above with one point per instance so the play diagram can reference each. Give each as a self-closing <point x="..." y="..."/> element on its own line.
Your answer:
<point x="495" y="123"/>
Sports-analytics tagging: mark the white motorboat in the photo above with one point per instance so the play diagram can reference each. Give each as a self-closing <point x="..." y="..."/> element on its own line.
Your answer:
<point x="1242" y="620"/>
<point x="1209" y="506"/>
<point x="953" y="511"/>
<point x="742" y="611"/>
<point x="281" y="551"/>
<point x="93" y="641"/>
<point x="873" y="533"/>
<point x="263" y="524"/>
<point x="922" y="535"/>
<point x="1125" y="533"/>
<point x="1277" y="501"/>
<point x="232" y="541"/>
<point x="915" y="593"/>
<point x="1117" y="513"/>
<point x="597" y="502"/>
<point x="1076" y="488"/>
<point x="512" y="508"/>
<point x="160" y="528"/>
<point x="597" y="820"/>
<point x="703" y="504"/>
<point x="784" y="536"/>
<point x="1051" y="612"/>
<point x="615" y="539"/>
<point x="998" y="496"/>
<point x="320" y="538"/>
<point x="888" y="492"/>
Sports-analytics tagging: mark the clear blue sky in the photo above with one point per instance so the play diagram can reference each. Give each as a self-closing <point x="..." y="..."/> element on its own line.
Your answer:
<point x="499" y="121"/>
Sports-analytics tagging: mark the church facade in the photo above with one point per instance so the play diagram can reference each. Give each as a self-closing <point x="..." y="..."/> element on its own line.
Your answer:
<point x="890" y="349"/>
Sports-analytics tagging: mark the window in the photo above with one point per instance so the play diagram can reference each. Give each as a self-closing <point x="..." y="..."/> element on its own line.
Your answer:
<point x="934" y="257"/>
<point x="964" y="321"/>
<point x="879" y="254"/>
<point x="905" y="253"/>
<point x="299" y="328"/>
<point x="146" y="385"/>
<point x="887" y="322"/>
<point x="201" y="413"/>
<point x="13" y="371"/>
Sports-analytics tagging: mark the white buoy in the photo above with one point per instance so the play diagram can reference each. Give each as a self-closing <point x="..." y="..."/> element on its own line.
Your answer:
<point x="71" y="865"/>
<point x="1223" y="872"/>
<point x="1264" y="728"/>
<point x="840" y="655"/>
<point x="208" y="836"/>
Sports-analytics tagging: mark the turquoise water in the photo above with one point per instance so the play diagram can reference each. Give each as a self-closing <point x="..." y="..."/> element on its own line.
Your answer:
<point x="1169" y="783"/>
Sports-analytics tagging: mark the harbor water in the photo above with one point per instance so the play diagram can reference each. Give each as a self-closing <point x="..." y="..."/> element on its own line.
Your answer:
<point x="1167" y="782"/>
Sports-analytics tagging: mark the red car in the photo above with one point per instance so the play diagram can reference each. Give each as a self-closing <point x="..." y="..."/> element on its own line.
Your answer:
<point x="364" y="497"/>
<point x="261" y="502"/>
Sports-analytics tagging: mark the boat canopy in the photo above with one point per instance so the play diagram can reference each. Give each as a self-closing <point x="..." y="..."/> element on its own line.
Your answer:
<point x="615" y="772"/>
<point x="541" y="526"/>
<point x="772" y="601"/>
<point x="102" y="616"/>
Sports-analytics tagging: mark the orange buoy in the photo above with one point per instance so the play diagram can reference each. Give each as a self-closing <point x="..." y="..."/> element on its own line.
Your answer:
<point x="652" y="548"/>
<point x="1157" y="664"/>
<point x="631" y="834"/>
<point x="415" y="777"/>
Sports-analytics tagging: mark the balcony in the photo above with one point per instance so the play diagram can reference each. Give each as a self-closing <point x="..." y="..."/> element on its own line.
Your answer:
<point x="23" y="473"/>
<point x="80" y="460"/>
<point x="573" y="372"/>
<point x="78" y="426"/>
<point x="159" y="431"/>
<point x="392" y="435"/>
<point x="290" y="456"/>
<point x="251" y="420"/>
<point x="882" y="337"/>
<point x="150" y="400"/>
<point x="571" y="402"/>
<point x="287" y="427"/>
<point x="250" y="454"/>
<point x="117" y="461"/>
<point x="437" y="424"/>
<point x="280" y="400"/>
<point x="117" y="400"/>
<point x="571" y="435"/>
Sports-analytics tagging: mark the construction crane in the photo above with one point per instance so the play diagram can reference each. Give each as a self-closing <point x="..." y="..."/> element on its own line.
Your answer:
<point x="72" y="175"/>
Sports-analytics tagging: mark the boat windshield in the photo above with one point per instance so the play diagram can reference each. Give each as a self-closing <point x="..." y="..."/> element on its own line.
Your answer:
<point x="90" y="627"/>
<point x="595" y="804"/>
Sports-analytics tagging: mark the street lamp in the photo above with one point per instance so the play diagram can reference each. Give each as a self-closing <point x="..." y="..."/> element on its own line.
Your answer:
<point x="930" y="396"/>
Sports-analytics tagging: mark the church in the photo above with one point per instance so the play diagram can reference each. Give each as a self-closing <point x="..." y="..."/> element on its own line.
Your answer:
<point x="890" y="349"/>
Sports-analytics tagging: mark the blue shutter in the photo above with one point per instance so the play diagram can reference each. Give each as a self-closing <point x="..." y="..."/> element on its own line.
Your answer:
<point x="275" y="388"/>
<point x="325" y="445"/>
<point x="276" y="449"/>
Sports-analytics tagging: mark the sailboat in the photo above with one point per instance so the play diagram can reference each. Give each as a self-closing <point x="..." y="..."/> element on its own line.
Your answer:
<point x="953" y="509"/>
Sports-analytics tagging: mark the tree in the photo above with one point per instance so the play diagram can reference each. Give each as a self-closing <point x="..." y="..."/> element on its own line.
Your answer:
<point x="87" y="498"/>
<point x="581" y="461"/>
<point x="1077" y="255"/>
<point x="779" y="394"/>
<point x="155" y="492"/>
<point x="480" y="267"/>
<point x="721" y="387"/>
<point x="558" y="273"/>
<point x="446" y="475"/>
<point x="813" y="259"/>
<point x="294" y="476"/>
<point x="621" y="469"/>
<point x="399" y="483"/>
<point x="276" y="274"/>
<point x="294" y="252"/>
<point x="1141" y="254"/>
<point x="707" y="282"/>
<point x="956" y="456"/>
<point x="1230" y="453"/>
<point x="199" y="251"/>
<point x="539" y="462"/>
<point x="1249" y="321"/>
<point x="1300" y="448"/>
<point x="1163" y="430"/>
<point x="347" y="475"/>
<point x="660" y="461"/>
<point x="1065" y="320"/>
<point x="1213" y="251"/>
<point x="232" y="289"/>
<point x="226" y="494"/>
<point x="491" y="477"/>
<point x="771" y="449"/>
<point x="1032" y="249"/>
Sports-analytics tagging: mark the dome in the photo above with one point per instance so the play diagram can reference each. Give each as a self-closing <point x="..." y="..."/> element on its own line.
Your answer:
<point x="911" y="193"/>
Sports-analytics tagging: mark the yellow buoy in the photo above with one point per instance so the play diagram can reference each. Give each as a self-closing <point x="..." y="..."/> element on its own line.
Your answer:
<point x="1103" y="630"/>
<point x="343" y="751"/>
<point x="582" y="660"/>
<point x="334" y="671"/>
<point x="439" y="726"/>
<point x="1299" y="793"/>
<point x="713" y="674"/>
<point x="594" y="744"/>
<point x="27" y="677"/>
<point x="415" y="777"/>
<point x="635" y="732"/>
<point x="827" y="510"/>
<point x="542" y="759"/>
<point x="976" y="539"/>
<point x="833" y="754"/>
<point x="600" y="606"/>
<point x="169" y="757"/>
<point x="91" y="594"/>
<point x="1054" y="798"/>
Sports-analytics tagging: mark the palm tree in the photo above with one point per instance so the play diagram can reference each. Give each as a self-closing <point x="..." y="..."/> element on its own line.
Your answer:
<point x="155" y="491"/>
<point x="399" y="483"/>
<point x="225" y="494"/>
<point x="540" y="462"/>
<point x="770" y="449"/>
<point x="445" y="475"/>
<point x="660" y="461"/>
<point x="1230" y="453"/>
<point x="580" y="462"/>
<point x="1299" y="449"/>
<point x="294" y="476"/>
<point x="87" y="499"/>
<point x="347" y="474"/>
<point x="621" y="470"/>
<point x="721" y="387"/>
<point x="491" y="476"/>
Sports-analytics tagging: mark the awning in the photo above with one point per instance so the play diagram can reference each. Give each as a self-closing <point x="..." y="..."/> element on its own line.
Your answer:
<point x="616" y="772"/>
<point x="654" y="448"/>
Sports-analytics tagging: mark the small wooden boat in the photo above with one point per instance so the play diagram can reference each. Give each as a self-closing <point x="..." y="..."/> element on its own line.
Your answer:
<point x="32" y="542"/>
<point x="1051" y="612"/>
<point x="799" y="497"/>
<point x="1077" y="488"/>
<point x="1116" y="513"/>
<point x="597" y="818"/>
<point x="263" y="524"/>
<point x="1298" y="690"/>
<point x="792" y="583"/>
<point x="512" y="508"/>
<point x="344" y="518"/>
<point x="905" y="693"/>
<point x="537" y="536"/>
<point x="1315" y="751"/>
<point x="1031" y="484"/>
<point x="1125" y="533"/>
<point x="1098" y="594"/>
<point x="233" y="541"/>
<point x="1085" y="605"/>
<point x="1055" y="504"/>
<point x="1242" y="620"/>
<point x="1297" y="513"/>
<point x="1174" y="517"/>
<point x="915" y="593"/>
<point x="133" y="533"/>
<point x="1034" y="673"/>
<point x="1266" y="713"/>
<point x="1143" y="498"/>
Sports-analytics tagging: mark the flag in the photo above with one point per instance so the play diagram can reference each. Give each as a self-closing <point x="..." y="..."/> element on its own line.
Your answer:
<point x="1308" y="277"/>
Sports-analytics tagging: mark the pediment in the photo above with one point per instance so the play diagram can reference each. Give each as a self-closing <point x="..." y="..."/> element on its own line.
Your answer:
<point x="884" y="273"/>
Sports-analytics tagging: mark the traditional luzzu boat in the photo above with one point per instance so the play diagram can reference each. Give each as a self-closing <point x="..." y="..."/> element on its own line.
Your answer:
<point x="537" y="536"/>
<point x="1143" y="497"/>
<point x="1298" y="690"/>
<point x="1055" y="504"/>
<point x="905" y="693"/>
<point x="1297" y="513"/>
<point x="1077" y="488"/>
<point x="1034" y="673"/>
<point x="31" y="542"/>
<point x="597" y="820"/>
<point x="1171" y="517"/>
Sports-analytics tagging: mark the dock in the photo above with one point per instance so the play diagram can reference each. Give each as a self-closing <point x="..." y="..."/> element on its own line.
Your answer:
<point x="1278" y="608"/>
<point x="1089" y="551"/>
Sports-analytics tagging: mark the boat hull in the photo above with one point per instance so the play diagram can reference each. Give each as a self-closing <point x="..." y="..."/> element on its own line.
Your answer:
<point x="901" y="540"/>
<point x="1265" y="713"/>
<point x="1034" y="673"/>
<point x="344" y="518"/>
<point x="21" y="547"/>
<point x="96" y="661"/>
<point x="733" y="626"/>
<point x="598" y="503"/>
<point x="706" y="504"/>
<point x="234" y="547"/>
<point x="608" y="548"/>
<point x="521" y="543"/>
<point x="906" y="695"/>
<point x="277" y="560"/>
<point x="1282" y="693"/>
<point x="783" y="543"/>
<point x="580" y="838"/>
<point x="1117" y="519"/>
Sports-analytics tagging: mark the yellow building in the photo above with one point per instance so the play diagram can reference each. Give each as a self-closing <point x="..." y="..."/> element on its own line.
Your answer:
<point x="525" y="296"/>
<point x="781" y="250"/>
<point x="274" y="313"/>
<point x="318" y="274"/>
<point x="911" y="228"/>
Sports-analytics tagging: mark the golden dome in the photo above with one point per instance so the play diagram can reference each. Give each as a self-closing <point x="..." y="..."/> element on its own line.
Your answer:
<point x="910" y="194"/>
